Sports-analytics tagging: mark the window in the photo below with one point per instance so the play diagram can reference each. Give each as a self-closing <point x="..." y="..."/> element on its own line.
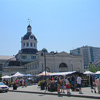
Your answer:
<point x="23" y="57"/>
<point x="31" y="44"/>
<point x="23" y="44"/>
<point x="33" y="57"/>
<point x="27" y="44"/>
<point x="34" y="44"/>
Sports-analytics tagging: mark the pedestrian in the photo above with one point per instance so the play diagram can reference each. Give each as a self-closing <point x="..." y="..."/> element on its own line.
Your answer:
<point x="67" y="86"/>
<point x="79" y="79"/>
<point x="91" y="81"/>
<point x="26" y="82"/>
<point x="73" y="82"/>
<point x="62" y="85"/>
<point x="95" y="84"/>
<point x="58" y="85"/>
<point x="17" y="82"/>
<point x="98" y="84"/>
<point x="23" y="83"/>
<point x="14" y="86"/>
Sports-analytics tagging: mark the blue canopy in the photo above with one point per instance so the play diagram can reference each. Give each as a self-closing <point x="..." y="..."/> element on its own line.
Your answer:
<point x="29" y="75"/>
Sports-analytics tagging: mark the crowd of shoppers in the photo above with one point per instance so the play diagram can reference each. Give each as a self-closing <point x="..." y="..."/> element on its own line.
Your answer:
<point x="68" y="83"/>
<point x="17" y="83"/>
<point x="95" y="84"/>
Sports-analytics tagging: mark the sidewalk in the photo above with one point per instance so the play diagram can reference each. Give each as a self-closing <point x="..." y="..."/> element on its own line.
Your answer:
<point x="36" y="89"/>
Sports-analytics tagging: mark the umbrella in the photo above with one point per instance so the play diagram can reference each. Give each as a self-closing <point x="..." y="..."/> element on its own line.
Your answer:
<point x="6" y="76"/>
<point x="18" y="75"/>
<point x="98" y="72"/>
<point x="88" y="72"/>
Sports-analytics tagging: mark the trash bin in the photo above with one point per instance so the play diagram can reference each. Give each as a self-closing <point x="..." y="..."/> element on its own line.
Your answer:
<point x="14" y="86"/>
<point x="42" y="85"/>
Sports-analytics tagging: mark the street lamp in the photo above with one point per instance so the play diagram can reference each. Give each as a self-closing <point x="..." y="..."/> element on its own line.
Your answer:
<point x="44" y="54"/>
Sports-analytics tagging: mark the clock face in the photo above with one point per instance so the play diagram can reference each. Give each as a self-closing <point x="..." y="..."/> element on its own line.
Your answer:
<point x="31" y="37"/>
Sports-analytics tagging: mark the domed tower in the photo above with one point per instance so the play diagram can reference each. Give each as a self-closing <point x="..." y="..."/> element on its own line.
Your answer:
<point x="28" y="47"/>
<point x="29" y="42"/>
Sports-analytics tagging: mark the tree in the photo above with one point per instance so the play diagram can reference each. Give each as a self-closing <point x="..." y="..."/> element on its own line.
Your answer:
<point x="93" y="68"/>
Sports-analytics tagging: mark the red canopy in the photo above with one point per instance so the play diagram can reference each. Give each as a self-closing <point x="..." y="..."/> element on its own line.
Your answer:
<point x="43" y="74"/>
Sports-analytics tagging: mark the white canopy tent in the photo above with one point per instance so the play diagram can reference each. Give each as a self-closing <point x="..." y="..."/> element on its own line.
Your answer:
<point x="98" y="72"/>
<point x="6" y="77"/>
<point x="62" y="73"/>
<point x="18" y="75"/>
<point x="88" y="73"/>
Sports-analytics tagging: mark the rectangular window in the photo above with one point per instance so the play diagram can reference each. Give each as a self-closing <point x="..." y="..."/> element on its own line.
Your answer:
<point x="31" y="44"/>
<point x="23" y="44"/>
<point x="23" y="57"/>
<point x="34" y="44"/>
<point x="33" y="57"/>
<point x="27" y="44"/>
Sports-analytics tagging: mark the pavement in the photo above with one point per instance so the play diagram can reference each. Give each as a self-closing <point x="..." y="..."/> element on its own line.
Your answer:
<point x="37" y="90"/>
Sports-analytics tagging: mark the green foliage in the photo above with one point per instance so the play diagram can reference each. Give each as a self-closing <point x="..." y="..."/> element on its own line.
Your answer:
<point x="93" y="68"/>
<point x="98" y="68"/>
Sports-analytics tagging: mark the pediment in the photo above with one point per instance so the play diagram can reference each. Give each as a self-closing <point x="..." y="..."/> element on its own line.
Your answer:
<point x="64" y="54"/>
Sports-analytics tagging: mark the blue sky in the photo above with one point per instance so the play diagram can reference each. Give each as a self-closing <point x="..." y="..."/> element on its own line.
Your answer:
<point x="59" y="25"/>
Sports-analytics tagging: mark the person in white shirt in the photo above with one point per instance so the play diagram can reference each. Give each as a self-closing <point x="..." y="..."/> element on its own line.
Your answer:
<point x="67" y="86"/>
<point x="79" y="79"/>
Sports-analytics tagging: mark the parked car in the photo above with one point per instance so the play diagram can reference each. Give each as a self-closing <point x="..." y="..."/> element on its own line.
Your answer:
<point x="3" y="87"/>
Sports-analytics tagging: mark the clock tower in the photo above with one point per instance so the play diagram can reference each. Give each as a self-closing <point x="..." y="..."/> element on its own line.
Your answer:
<point x="29" y="42"/>
<point x="28" y="47"/>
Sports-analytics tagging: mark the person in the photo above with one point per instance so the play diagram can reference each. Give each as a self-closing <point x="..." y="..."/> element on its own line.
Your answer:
<point x="95" y="84"/>
<point x="79" y="79"/>
<point x="26" y="82"/>
<point x="7" y="82"/>
<point x="17" y="82"/>
<point x="4" y="81"/>
<point x="14" y="86"/>
<point x="23" y="83"/>
<point x="98" y="84"/>
<point x="58" y="85"/>
<point x="62" y="85"/>
<point x="52" y="78"/>
<point x="67" y="86"/>
<point x="73" y="82"/>
<point x="91" y="81"/>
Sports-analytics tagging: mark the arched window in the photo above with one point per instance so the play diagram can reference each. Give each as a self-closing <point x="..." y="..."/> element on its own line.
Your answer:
<point x="63" y="67"/>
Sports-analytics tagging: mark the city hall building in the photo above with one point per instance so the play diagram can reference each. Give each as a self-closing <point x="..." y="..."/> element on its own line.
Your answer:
<point x="30" y="60"/>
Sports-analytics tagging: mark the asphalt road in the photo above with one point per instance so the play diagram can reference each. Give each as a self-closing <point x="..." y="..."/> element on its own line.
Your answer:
<point x="30" y="96"/>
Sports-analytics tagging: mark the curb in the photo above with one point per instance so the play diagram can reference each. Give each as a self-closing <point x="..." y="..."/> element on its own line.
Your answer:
<point x="83" y="96"/>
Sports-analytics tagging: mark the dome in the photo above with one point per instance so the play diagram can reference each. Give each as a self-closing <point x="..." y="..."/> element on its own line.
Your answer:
<point x="44" y="50"/>
<point x="29" y="35"/>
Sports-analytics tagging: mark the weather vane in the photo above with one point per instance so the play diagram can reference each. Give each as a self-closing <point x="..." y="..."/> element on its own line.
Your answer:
<point x="29" y="21"/>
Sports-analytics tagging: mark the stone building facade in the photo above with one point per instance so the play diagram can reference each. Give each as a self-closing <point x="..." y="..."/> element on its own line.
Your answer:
<point x="31" y="61"/>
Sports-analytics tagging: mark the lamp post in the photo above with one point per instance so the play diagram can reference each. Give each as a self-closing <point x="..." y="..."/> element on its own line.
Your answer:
<point x="44" y="54"/>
